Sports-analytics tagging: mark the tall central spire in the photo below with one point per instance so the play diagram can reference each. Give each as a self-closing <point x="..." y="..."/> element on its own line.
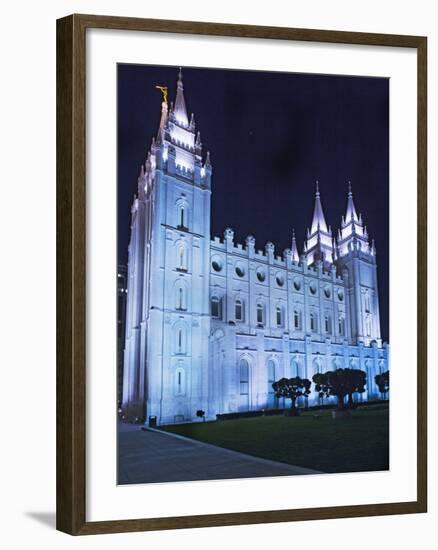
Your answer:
<point x="180" y="110"/>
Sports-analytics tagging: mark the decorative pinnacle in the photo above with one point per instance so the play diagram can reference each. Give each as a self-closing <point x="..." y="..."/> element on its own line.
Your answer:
<point x="317" y="188"/>
<point x="350" y="193"/>
<point x="180" y="77"/>
<point x="164" y="91"/>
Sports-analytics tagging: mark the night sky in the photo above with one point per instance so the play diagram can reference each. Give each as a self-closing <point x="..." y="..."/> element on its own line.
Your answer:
<point x="270" y="136"/>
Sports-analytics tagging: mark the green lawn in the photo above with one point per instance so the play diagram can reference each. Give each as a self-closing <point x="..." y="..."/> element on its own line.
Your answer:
<point x="358" y="443"/>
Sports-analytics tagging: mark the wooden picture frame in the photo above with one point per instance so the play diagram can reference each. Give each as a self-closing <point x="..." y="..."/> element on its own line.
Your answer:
<point x="71" y="273"/>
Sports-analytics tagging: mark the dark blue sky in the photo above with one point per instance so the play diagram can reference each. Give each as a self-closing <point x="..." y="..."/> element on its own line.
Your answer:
<point x="270" y="136"/>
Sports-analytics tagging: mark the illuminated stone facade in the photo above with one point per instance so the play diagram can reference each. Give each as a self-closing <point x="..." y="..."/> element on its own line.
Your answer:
<point x="211" y="324"/>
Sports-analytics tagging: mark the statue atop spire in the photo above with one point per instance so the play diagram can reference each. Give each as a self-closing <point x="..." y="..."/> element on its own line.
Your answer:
<point x="164" y="90"/>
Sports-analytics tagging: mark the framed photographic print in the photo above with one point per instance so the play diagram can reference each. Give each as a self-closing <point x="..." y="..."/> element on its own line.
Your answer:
<point x="241" y="244"/>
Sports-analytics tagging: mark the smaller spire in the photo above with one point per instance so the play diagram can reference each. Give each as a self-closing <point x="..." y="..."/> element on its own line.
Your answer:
<point x="180" y="110"/>
<point x="207" y="159"/>
<point x="351" y="213"/>
<point x="318" y="222"/>
<point x="294" y="249"/>
<point x="192" y="122"/>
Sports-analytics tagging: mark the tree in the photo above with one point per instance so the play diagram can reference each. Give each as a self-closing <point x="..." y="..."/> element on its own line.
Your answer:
<point x="356" y="382"/>
<point x="201" y="414"/>
<point x="382" y="381"/>
<point x="340" y="383"/>
<point x="292" y="388"/>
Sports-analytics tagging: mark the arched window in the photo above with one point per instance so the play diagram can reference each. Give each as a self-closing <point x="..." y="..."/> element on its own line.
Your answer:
<point x="244" y="385"/>
<point x="180" y="381"/>
<point x="327" y="323"/>
<point x="313" y="325"/>
<point x="182" y="216"/>
<point x="260" y="313"/>
<point x="368" y="325"/>
<point x="239" y="310"/>
<point x="181" y="260"/>
<point x="297" y="319"/>
<point x="271" y="379"/>
<point x="180" y="339"/>
<point x="216" y="304"/>
<point x="279" y="316"/>
<point x="180" y="297"/>
<point x="367" y="302"/>
<point x="341" y="326"/>
<point x="295" y="367"/>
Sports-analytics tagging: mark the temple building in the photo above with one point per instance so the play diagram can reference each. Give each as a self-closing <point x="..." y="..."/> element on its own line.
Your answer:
<point x="211" y="323"/>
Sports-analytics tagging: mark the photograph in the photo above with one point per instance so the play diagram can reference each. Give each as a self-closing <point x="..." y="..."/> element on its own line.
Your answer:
<point x="253" y="252"/>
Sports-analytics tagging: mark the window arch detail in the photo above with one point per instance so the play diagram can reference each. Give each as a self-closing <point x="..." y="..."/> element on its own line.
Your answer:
<point x="243" y="384"/>
<point x="180" y="338"/>
<point x="239" y="310"/>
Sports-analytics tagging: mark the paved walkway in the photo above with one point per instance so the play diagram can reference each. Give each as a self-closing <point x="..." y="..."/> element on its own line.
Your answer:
<point x="151" y="456"/>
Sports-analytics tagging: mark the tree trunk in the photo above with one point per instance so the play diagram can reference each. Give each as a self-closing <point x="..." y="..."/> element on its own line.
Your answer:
<point x="350" y="401"/>
<point x="293" y="401"/>
<point x="341" y="404"/>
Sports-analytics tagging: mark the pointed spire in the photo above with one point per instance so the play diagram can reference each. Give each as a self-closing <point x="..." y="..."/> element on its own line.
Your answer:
<point x="180" y="110"/>
<point x="318" y="222"/>
<point x="192" y="122"/>
<point x="163" y="121"/>
<point x="351" y="210"/>
<point x="294" y="248"/>
<point x="207" y="159"/>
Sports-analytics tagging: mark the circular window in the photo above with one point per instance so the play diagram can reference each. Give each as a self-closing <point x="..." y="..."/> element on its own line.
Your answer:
<point x="340" y="294"/>
<point x="261" y="276"/>
<point x="312" y="288"/>
<point x="297" y="284"/>
<point x="240" y="270"/>
<point x="327" y="292"/>
<point x="216" y="264"/>
<point x="280" y="279"/>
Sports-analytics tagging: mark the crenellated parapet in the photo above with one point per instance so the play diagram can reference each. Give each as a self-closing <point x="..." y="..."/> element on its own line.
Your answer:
<point x="267" y="256"/>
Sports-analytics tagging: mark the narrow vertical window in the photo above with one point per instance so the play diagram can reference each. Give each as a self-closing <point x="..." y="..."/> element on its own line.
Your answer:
<point x="243" y="385"/>
<point x="260" y="314"/>
<point x="367" y="302"/>
<point x="313" y="322"/>
<point x="327" y="322"/>
<point x="271" y="379"/>
<point x="279" y="316"/>
<point x="296" y="319"/>
<point x="341" y="328"/>
<point x="239" y="310"/>
<point x="182" y="217"/>
<point x="180" y="339"/>
<point x="180" y="298"/>
<point x="215" y="307"/>
<point x="368" y="325"/>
